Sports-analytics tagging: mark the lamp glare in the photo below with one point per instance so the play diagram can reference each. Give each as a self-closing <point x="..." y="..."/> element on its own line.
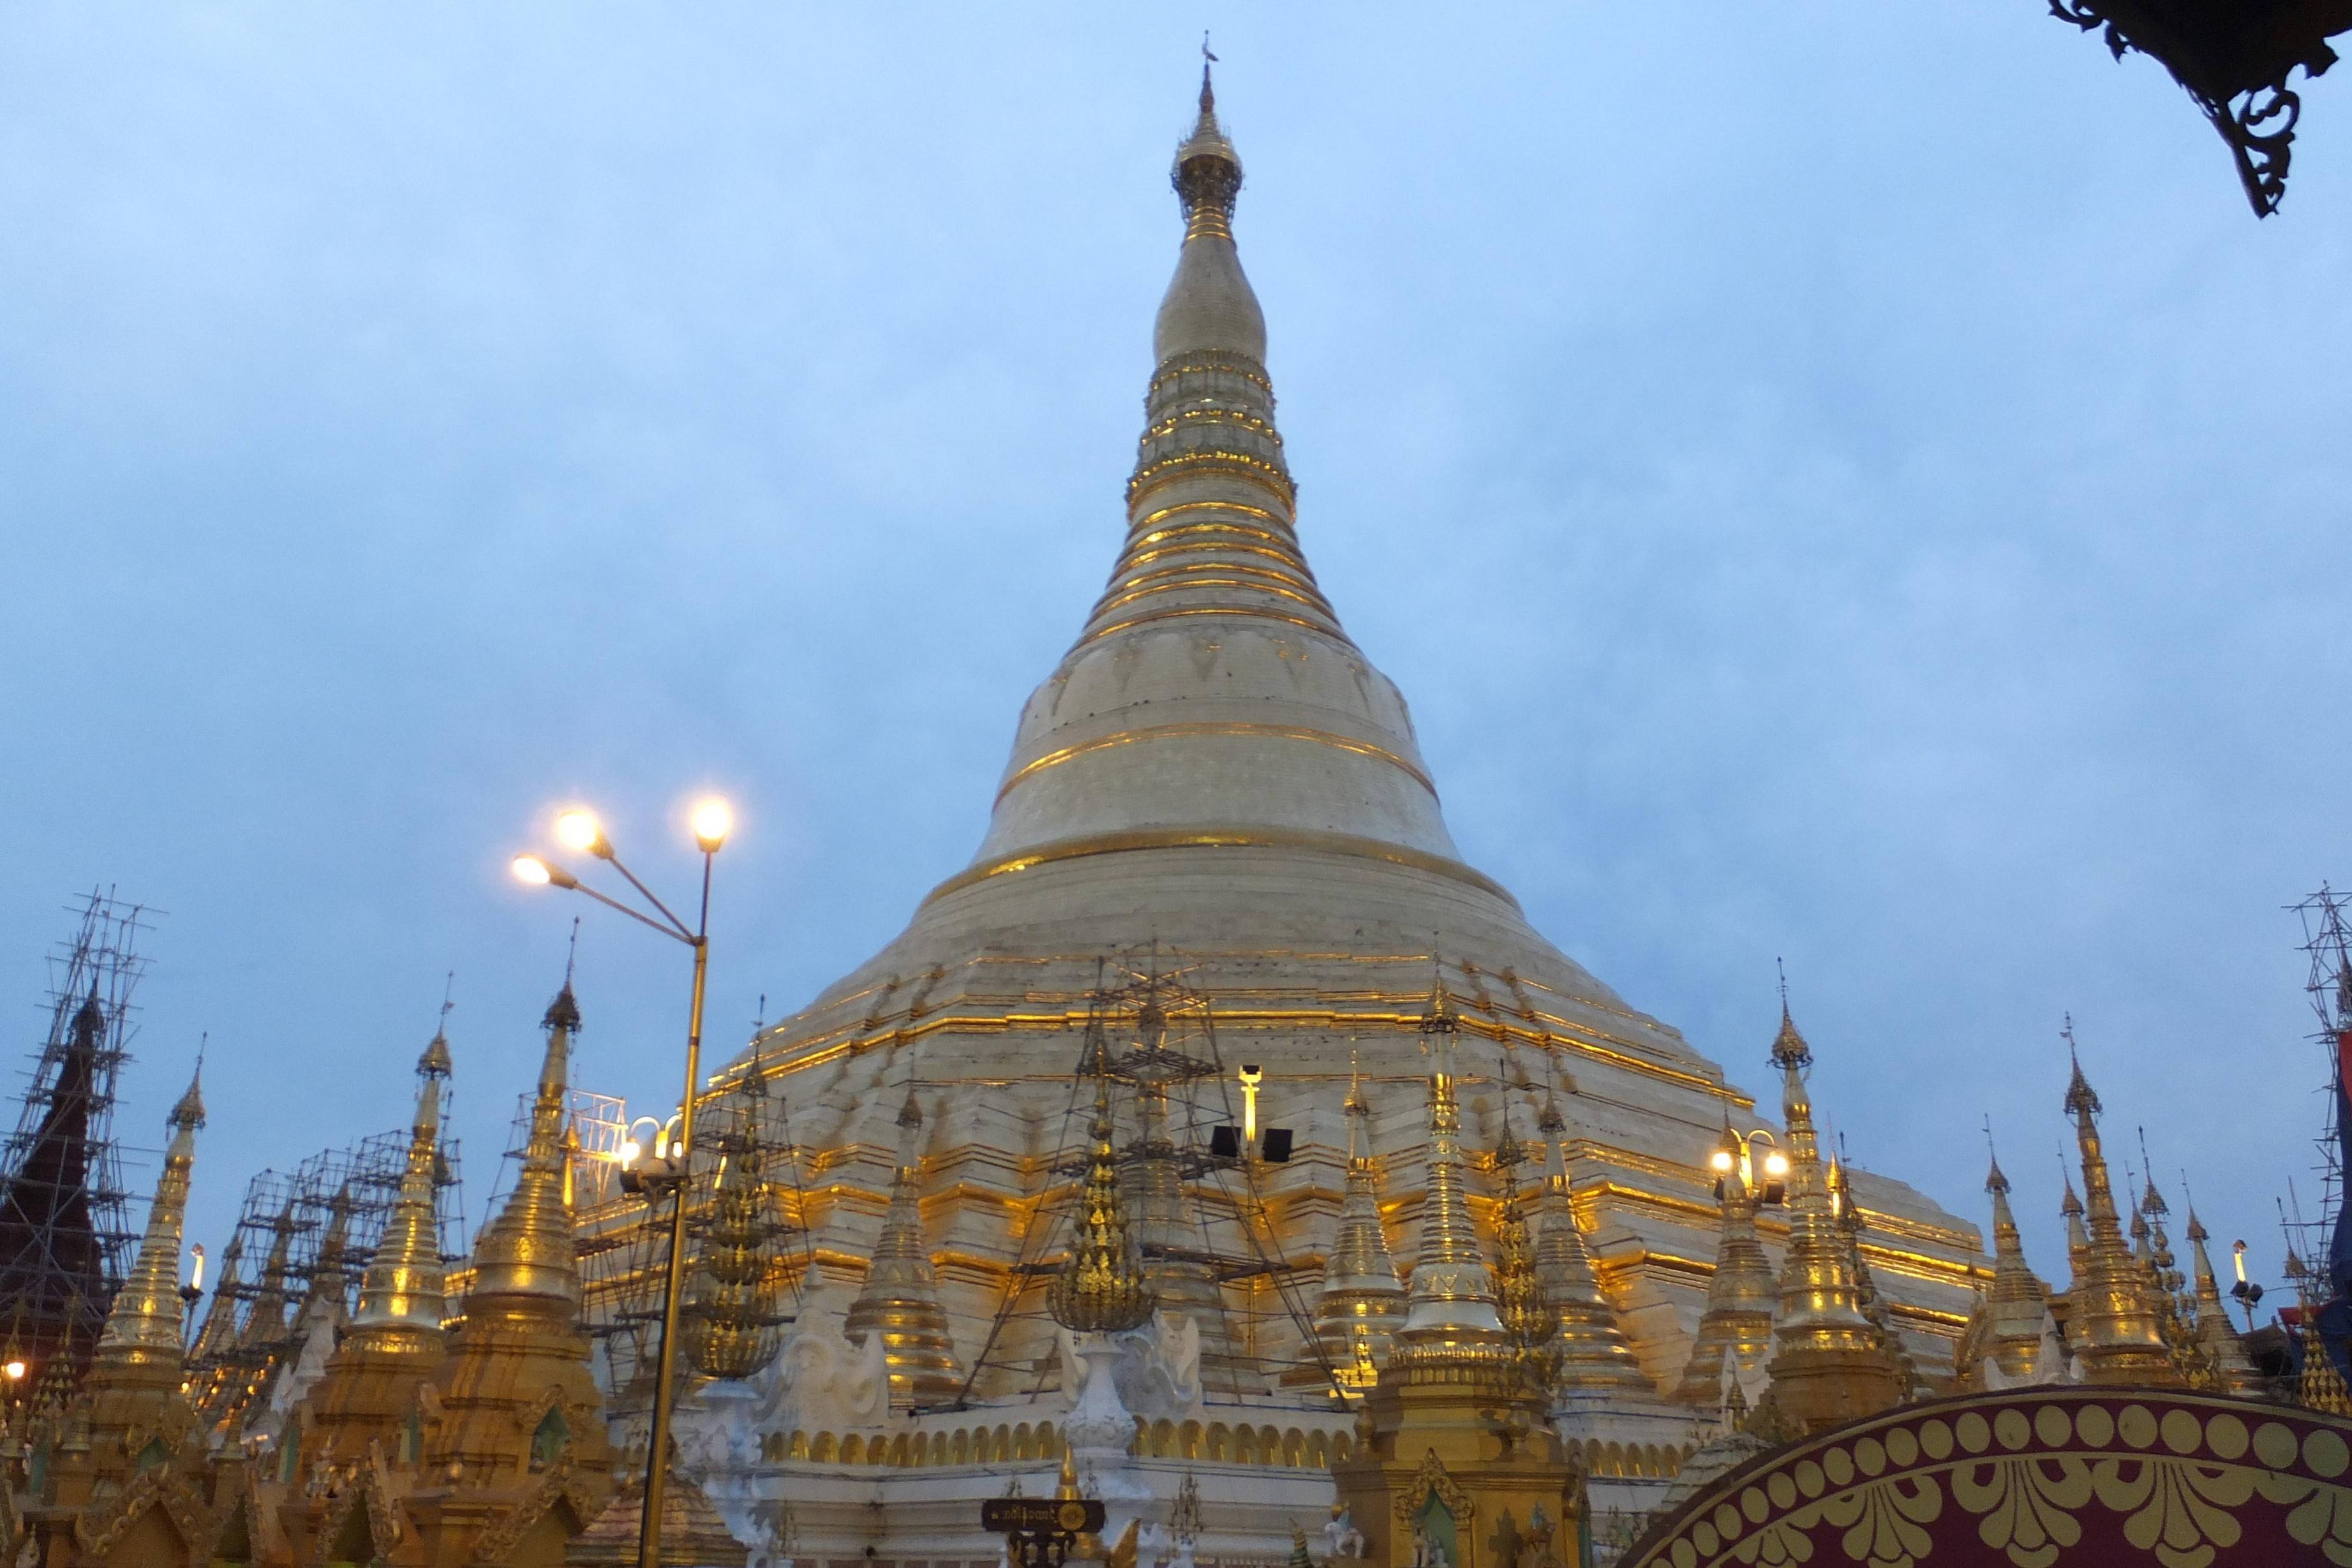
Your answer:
<point x="532" y="870"/>
<point x="579" y="830"/>
<point x="713" y="820"/>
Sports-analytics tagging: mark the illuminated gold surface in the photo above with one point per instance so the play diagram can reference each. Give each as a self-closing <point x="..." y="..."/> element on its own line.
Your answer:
<point x="1830" y="1363"/>
<point x="1176" y="731"/>
<point x="528" y="1248"/>
<point x="899" y="1300"/>
<point x="2007" y="1326"/>
<point x="1589" y="1350"/>
<point x="1217" y="838"/>
<point x="145" y="1322"/>
<point x="1363" y="1303"/>
<point x="1101" y="1288"/>
<point x="2111" y="1325"/>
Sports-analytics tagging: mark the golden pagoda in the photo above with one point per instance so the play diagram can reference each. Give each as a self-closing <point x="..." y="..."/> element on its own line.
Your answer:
<point x="1741" y="1294"/>
<point x="1216" y="766"/>
<point x="1829" y="1362"/>
<point x="1455" y="1453"/>
<point x="515" y="1458"/>
<point x="2111" y="1325"/>
<point x="1362" y="1301"/>
<point x="899" y="1301"/>
<point x="1591" y="1352"/>
<point x="2224" y="1353"/>
<point x="1451" y="1307"/>
<point x="2007" y="1326"/>
<point x="132" y="1484"/>
<point x="334" y="1457"/>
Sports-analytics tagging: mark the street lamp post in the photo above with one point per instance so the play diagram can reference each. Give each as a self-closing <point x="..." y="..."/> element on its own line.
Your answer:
<point x="711" y="822"/>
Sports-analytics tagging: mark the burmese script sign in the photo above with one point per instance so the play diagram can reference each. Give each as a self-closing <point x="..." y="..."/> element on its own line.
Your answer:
<point x="1041" y="1515"/>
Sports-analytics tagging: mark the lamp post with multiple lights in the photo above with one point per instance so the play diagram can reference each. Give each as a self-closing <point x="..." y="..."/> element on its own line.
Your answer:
<point x="664" y="1170"/>
<point x="1737" y="1152"/>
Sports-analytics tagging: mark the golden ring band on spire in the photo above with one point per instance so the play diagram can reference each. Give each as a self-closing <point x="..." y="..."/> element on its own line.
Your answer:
<point x="1278" y="526"/>
<point x="1307" y="839"/>
<point x="1267" y="731"/>
<point x="1140" y="575"/>
<point x="1330" y="629"/>
<point x="1198" y="581"/>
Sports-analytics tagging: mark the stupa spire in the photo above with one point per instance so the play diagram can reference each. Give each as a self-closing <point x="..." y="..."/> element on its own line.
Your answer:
<point x="2224" y="1352"/>
<point x="145" y="1324"/>
<point x="1829" y="1365"/>
<point x="2015" y="1303"/>
<point x="1361" y="1303"/>
<point x="2078" y="1239"/>
<point x="530" y="1249"/>
<point x="1453" y="1305"/>
<point x="2111" y="1324"/>
<point x="901" y="1298"/>
<point x="401" y="1296"/>
<point x="1213" y="697"/>
<point x="1592" y="1353"/>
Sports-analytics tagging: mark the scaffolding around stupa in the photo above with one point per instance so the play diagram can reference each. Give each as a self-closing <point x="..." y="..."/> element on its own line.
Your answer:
<point x="272" y="1269"/>
<point x="1189" y="1166"/>
<point x="65" y="1238"/>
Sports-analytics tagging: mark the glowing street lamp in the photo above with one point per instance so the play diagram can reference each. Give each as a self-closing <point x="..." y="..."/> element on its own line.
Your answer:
<point x="1737" y="1152"/>
<point x="663" y="1171"/>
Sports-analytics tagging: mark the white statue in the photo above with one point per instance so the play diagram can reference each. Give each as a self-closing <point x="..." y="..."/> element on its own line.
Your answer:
<point x="821" y="1381"/>
<point x="1341" y="1539"/>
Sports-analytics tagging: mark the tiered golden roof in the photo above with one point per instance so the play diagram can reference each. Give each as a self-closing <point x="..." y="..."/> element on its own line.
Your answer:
<point x="2111" y="1325"/>
<point x="899" y="1301"/>
<point x="1591" y="1353"/>
<point x="1361" y="1303"/>
<point x="729" y="1324"/>
<point x="1741" y="1293"/>
<point x="1829" y="1363"/>
<point x="1451" y="1306"/>
<point x="1101" y="1287"/>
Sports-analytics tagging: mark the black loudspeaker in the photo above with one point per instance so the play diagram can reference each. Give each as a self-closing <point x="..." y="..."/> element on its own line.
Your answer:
<point x="1226" y="1142"/>
<point x="1275" y="1142"/>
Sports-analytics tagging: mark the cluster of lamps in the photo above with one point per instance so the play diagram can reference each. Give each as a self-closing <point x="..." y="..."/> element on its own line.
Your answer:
<point x="1737" y="1152"/>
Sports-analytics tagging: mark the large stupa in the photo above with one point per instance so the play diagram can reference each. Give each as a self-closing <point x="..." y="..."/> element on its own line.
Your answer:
<point x="1217" y="788"/>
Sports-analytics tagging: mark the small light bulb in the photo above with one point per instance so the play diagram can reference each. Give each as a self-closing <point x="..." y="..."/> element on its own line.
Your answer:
<point x="532" y="870"/>
<point x="713" y="820"/>
<point x="15" y="1371"/>
<point x="1776" y="1163"/>
<point x="1720" y="1159"/>
<point x="579" y="830"/>
<point x="630" y="1150"/>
